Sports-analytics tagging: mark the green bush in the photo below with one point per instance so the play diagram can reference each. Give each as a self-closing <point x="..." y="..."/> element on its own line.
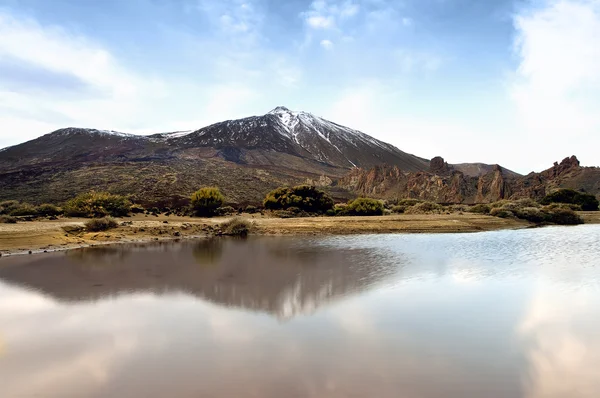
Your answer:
<point x="24" y="209"/>
<point x="527" y="203"/>
<point x="398" y="209"/>
<point x="408" y="202"/>
<point x="521" y="209"/>
<point x="101" y="224"/>
<point x="565" y="217"/>
<point x="137" y="209"/>
<point x="4" y="219"/>
<point x="304" y="197"/>
<point x="501" y="212"/>
<point x="364" y="207"/>
<point x="49" y="210"/>
<point x="251" y="209"/>
<point x="206" y="201"/>
<point x="424" y="208"/>
<point x="480" y="209"/>
<point x="98" y="204"/>
<point x="532" y="214"/>
<point x="236" y="227"/>
<point x="460" y="208"/>
<point x="569" y="206"/>
<point x="499" y="203"/>
<point x="8" y="206"/>
<point x="587" y="201"/>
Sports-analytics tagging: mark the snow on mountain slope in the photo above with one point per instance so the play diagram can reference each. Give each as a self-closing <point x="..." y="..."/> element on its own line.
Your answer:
<point x="332" y="143"/>
<point x="253" y="140"/>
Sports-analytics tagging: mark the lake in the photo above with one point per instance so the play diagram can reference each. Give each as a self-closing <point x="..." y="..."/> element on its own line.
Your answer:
<point x="495" y="314"/>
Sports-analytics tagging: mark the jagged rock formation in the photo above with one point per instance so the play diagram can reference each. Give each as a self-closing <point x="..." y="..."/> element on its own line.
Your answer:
<point x="444" y="184"/>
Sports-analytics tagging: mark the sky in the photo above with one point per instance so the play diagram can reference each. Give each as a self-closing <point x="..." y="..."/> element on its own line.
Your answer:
<point x="497" y="81"/>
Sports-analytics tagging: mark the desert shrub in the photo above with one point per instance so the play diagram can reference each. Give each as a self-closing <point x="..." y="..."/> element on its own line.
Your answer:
<point x="364" y="207"/>
<point x="340" y="209"/>
<point x="480" y="209"/>
<point x="8" y="206"/>
<point x="501" y="212"/>
<point x="251" y="209"/>
<point x="459" y="208"/>
<point x="532" y="214"/>
<point x="408" y="202"/>
<point x="49" y="210"/>
<point x="561" y="215"/>
<point x="206" y="201"/>
<point x="4" y="219"/>
<point x="527" y="203"/>
<point x="304" y="197"/>
<point x="499" y="203"/>
<point x="24" y="209"/>
<point x="569" y="206"/>
<point x="424" y="208"/>
<point x="98" y="204"/>
<point x="564" y="217"/>
<point x="137" y="209"/>
<point x="225" y="211"/>
<point x="236" y="227"/>
<point x="587" y="201"/>
<point x="101" y="224"/>
<point x="398" y="209"/>
<point x="330" y="213"/>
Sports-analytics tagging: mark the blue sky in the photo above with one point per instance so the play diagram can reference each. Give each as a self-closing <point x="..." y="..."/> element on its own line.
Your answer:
<point x="509" y="82"/>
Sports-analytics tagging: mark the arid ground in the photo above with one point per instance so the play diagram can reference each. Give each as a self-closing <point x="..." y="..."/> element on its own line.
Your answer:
<point x="68" y="233"/>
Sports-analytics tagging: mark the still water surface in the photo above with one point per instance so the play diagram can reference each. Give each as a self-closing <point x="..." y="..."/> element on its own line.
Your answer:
<point x="499" y="314"/>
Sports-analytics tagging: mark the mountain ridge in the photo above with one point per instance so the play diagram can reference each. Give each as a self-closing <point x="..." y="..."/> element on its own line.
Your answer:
<point x="245" y="157"/>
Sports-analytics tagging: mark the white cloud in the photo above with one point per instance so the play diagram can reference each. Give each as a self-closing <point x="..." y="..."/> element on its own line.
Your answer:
<point x="557" y="85"/>
<point x="329" y="14"/>
<point x="327" y="44"/>
<point x="100" y="92"/>
<point x="99" y="88"/>
<point x="320" y="22"/>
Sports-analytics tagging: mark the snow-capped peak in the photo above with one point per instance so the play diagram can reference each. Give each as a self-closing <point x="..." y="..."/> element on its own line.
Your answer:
<point x="279" y="109"/>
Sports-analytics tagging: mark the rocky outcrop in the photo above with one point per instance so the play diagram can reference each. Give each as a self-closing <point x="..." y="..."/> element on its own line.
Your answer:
<point x="437" y="165"/>
<point x="444" y="184"/>
<point x="492" y="187"/>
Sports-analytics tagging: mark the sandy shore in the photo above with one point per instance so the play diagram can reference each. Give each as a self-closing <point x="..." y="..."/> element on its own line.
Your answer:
<point x="40" y="236"/>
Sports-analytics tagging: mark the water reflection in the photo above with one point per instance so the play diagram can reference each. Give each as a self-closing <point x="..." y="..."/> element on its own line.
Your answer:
<point x="373" y="316"/>
<point x="271" y="275"/>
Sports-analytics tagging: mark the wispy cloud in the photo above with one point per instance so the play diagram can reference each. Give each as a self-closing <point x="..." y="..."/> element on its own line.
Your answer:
<point x="94" y="84"/>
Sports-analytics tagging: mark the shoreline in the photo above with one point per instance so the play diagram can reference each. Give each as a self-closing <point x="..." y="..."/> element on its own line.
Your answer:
<point x="49" y="236"/>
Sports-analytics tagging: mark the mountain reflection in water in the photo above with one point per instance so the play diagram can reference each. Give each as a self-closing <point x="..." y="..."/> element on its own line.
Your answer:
<point x="262" y="275"/>
<point x="507" y="314"/>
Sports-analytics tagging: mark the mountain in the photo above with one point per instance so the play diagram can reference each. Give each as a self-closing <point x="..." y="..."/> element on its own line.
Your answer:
<point x="245" y="157"/>
<point x="445" y="183"/>
<point x="248" y="157"/>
